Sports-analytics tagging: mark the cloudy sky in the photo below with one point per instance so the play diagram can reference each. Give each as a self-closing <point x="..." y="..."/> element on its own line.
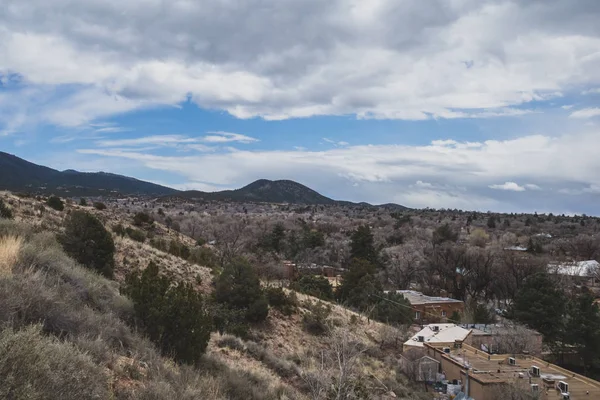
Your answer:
<point x="471" y="104"/>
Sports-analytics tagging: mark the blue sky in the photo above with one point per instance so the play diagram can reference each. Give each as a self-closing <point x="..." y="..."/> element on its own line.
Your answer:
<point x="491" y="105"/>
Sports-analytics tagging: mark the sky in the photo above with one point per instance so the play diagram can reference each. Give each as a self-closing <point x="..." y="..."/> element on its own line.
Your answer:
<point x="468" y="104"/>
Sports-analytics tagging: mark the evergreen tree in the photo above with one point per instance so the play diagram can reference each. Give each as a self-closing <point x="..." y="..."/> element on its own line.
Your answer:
<point x="358" y="285"/>
<point x="313" y="285"/>
<point x="87" y="241"/>
<point x="55" y="203"/>
<point x="491" y="223"/>
<point x="172" y="315"/>
<point x="238" y="287"/>
<point x="583" y="329"/>
<point x="393" y="308"/>
<point x="362" y="245"/>
<point x="444" y="234"/>
<point x="541" y="305"/>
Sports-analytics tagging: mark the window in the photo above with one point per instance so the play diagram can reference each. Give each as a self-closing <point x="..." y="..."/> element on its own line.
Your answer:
<point x="417" y="315"/>
<point x="443" y="313"/>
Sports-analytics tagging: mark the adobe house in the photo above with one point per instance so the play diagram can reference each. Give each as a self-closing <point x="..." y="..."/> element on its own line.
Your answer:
<point x="483" y="376"/>
<point x="430" y="309"/>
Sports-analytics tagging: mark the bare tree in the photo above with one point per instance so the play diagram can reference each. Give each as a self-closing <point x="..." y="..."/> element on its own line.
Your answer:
<point x="403" y="265"/>
<point x="229" y="238"/>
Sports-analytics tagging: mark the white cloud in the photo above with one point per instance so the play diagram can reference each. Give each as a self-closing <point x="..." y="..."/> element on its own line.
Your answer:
<point x="512" y="186"/>
<point x="336" y="144"/>
<point x="532" y="186"/>
<point x="586" y="113"/>
<point x="226" y="137"/>
<point x="418" y="175"/>
<point x="281" y="59"/>
<point x="591" y="91"/>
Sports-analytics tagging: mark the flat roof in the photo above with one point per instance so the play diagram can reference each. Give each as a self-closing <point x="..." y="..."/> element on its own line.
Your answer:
<point x="417" y="298"/>
<point x="486" y="370"/>
<point x="438" y="333"/>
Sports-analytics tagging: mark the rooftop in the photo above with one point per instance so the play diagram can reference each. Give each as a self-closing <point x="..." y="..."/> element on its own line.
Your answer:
<point x="438" y="333"/>
<point x="587" y="268"/>
<point x="496" y="369"/>
<point x="416" y="298"/>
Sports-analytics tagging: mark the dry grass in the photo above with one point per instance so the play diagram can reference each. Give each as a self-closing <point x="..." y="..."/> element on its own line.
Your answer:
<point x="9" y="253"/>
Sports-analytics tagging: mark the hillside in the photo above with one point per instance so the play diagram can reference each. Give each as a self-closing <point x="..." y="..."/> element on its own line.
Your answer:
<point x="279" y="359"/>
<point x="264" y="191"/>
<point x="20" y="175"/>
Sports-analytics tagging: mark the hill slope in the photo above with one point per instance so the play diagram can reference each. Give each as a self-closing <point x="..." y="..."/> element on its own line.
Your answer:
<point x="21" y="175"/>
<point x="266" y="191"/>
<point x="18" y="175"/>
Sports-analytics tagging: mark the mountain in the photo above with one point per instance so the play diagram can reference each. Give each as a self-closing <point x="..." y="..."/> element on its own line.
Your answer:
<point x="264" y="191"/>
<point x="20" y="175"/>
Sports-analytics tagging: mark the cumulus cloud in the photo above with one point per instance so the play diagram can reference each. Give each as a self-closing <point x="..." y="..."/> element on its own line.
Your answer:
<point x="512" y="186"/>
<point x="282" y="59"/>
<point x="434" y="175"/>
<point x="586" y="113"/>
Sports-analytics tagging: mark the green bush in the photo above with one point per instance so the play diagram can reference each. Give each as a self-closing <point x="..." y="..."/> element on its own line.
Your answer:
<point x="203" y="256"/>
<point x="315" y="319"/>
<point x="87" y="241"/>
<point x="142" y="218"/>
<point x="314" y="285"/>
<point x="173" y="315"/>
<point x="55" y="203"/>
<point x="83" y="202"/>
<point x="99" y="205"/>
<point x="279" y="299"/>
<point x="136" y="234"/>
<point x="5" y="212"/>
<point x="179" y="249"/>
<point x="38" y="367"/>
<point x="238" y="287"/>
<point x="119" y="229"/>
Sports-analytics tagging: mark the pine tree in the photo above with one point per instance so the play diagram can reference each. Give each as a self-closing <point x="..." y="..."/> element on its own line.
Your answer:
<point x="88" y="242"/>
<point x="362" y="245"/>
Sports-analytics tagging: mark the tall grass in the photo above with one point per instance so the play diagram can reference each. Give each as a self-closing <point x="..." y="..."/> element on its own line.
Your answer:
<point x="9" y="253"/>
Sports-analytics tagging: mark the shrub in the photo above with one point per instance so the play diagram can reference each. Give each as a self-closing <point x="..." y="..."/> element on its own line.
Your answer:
<point x="99" y="205"/>
<point x="37" y="367"/>
<point x="87" y="241"/>
<point x="55" y="203"/>
<point x="142" y="218"/>
<point x="5" y="212"/>
<point x="314" y="285"/>
<point x="315" y="320"/>
<point x="119" y="229"/>
<point x="172" y="314"/>
<point x="135" y="234"/>
<point x="203" y="256"/>
<point x="238" y="287"/>
<point x="179" y="249"/>
<point x="279" y="299"/>
<point x="83" y="202"/>
<point x="9" y="251"/>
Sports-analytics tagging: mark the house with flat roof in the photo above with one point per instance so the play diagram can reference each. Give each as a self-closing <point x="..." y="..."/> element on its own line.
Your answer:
<point x="585" y="273"/>
<point x="431" y="308"/>
<point x="438" y="334"/>
<point x="485" y="376"/>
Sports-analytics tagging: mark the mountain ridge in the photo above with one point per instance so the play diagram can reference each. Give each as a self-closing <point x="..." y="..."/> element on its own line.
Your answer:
<point x="21" y="175"/>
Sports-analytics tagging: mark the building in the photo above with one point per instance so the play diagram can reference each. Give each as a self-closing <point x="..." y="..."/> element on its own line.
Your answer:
<point x="498" y="338"/>
<point x="438" y="334"/>
<point x="422" y="369"/>
<point x="586" y="273"/>
<point x="431" y="309"/>
<point x="484" y="376"/>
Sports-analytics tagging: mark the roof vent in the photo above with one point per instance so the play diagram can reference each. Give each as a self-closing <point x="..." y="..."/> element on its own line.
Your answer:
<point x="421" y="338"/>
